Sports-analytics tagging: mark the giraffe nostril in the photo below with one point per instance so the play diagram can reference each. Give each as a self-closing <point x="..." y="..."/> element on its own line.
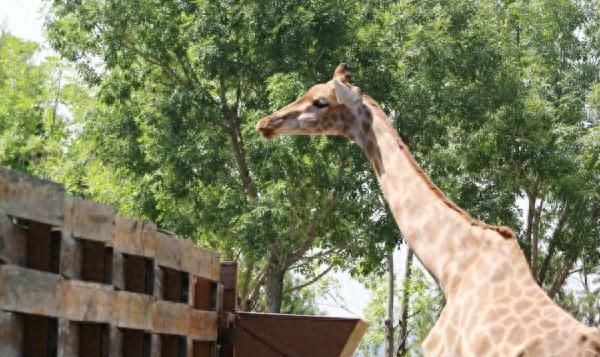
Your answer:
<point x="265" y="126"/>
<point x="262" y="124"/>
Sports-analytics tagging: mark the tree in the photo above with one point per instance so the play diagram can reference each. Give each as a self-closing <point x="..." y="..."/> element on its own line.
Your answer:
<point x="181" y="85"/>
<point x="491" y="97"/>
<point x="421" y="302"/>
<point x="405" y="305"/>
<point x="31" y="130"/>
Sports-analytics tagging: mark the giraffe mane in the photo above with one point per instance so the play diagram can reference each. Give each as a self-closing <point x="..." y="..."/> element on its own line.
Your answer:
<point x="504" y="231"/>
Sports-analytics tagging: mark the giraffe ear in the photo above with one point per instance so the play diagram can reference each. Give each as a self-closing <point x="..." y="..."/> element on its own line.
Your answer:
<point x="345" y="95"/>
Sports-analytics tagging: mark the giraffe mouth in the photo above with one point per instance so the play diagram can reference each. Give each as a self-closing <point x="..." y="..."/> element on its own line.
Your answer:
<point x="267" y="127"/>
<point x="268" y="134"/>
<point x="272" y="125"/>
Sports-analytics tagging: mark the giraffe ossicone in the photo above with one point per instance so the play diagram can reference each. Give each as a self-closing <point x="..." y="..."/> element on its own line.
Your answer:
<point x="494" y="306"/>
<point x="346" y="96"/>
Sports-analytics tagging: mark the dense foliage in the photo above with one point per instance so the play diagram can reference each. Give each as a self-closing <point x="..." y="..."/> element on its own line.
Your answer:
<point x="498" y="100"/>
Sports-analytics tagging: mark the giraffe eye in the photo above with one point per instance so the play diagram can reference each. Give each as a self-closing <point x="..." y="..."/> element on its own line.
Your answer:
<point x="320" y="103"/>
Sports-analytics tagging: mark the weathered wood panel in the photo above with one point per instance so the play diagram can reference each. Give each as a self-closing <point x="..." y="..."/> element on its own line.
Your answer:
<point x="228" y="280"/>
<point x="70" y="257"/>
<point x="185" y="256"/>
<point x="30" y="291"/>
<point x="88" y="219"/>
<point x="41" y="293"/>
<point x="13" y="242"/>
<point x="84" y="301"/>
<point x="135" y="237"/>
<point x="74" y="276"/>
<point x="11" y="334"/>
<point x="68" y="338"/>
<point x="31" y="198"/>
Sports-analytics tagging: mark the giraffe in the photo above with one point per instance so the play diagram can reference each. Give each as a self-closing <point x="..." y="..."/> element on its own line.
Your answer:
<point x="494" y="307"/>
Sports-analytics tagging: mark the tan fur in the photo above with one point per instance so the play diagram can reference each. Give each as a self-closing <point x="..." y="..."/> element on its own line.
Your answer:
<point x="494" y="307"/>
<point x="502" y="230"/>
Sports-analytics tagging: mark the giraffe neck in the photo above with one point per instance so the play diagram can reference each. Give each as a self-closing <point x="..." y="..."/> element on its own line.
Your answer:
<point x="445" y="238"/>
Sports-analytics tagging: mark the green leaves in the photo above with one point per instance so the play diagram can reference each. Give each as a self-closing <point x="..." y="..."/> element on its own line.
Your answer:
<point x="31" y="127"/>
<point x="498" y="101"/>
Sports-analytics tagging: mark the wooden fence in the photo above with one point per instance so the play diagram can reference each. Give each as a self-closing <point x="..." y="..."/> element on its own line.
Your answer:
<point x="77" y="280"/>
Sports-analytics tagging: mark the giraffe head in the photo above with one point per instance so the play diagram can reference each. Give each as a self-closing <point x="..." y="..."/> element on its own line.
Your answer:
<point x="326" y="109"/>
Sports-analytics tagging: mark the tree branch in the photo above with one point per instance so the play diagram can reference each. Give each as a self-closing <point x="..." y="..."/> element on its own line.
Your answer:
<point x="311" y="281"/>
<point x="251" y="295"/>
<point x="237" y="141"/>
<point x="560" y="278"/>
<point x="312" y="229"/>
<point x="152" y="59"/>
<point x="311" y="234"/>
<point x="245" y="284"/>
<point x="321" y="254"/>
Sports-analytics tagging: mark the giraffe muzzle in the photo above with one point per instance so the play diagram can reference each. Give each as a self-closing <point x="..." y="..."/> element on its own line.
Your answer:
<point x="267" y="127"/>
<point x="275" y="124"/>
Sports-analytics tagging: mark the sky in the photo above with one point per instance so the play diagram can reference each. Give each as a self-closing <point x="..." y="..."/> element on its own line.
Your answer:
<point x="22" y="18"/>
<point x="25" y="19"/>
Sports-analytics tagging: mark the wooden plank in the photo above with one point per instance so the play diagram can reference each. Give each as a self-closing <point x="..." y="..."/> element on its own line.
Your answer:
<point x="155" y="347"/>
<point x="134" y="237"/>
<point x="158" y="290"/>
<point x="184" y="255"/>
<point x="84" y="301"/>
<point x="31" y="291"/>
<point x="68" y="338"/>
<point x="13" y="242"/>
<point x="70" y="257"/>
<point x="189" y="347"/>
<point x="118" y="270"/>
<point x="179" y="319"/>
<point x="41" y="293"/>
<point x="116" y="342"/>
<point x="219" y="299"/>
<point x="199" y="261"/>
<point x="202" y="325"/>
<point x="168" y="251"/>
<point x="228" y="281"/>
<point x="11" y="334"/>
<point x="355" y="337"/>
<point x="89" y="220"/>
<point x="131" y="310"/>
<point x="166" y="318"/>
<point x="31" y="198"/>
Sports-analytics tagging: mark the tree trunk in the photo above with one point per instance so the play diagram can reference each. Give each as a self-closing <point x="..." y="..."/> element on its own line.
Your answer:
<point x="552" y="245"/>
<point x="389" y="321"/>
<point x="274" y="286"/>
<point x="233" y="128"/>
<point x="404" y="304"/>
<point x="535" y="233"/>
<point x="562" y="275"/>
<point x="56" y="101"/>
<point x="243" y="294"/>
<point x="529" y="225"/>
